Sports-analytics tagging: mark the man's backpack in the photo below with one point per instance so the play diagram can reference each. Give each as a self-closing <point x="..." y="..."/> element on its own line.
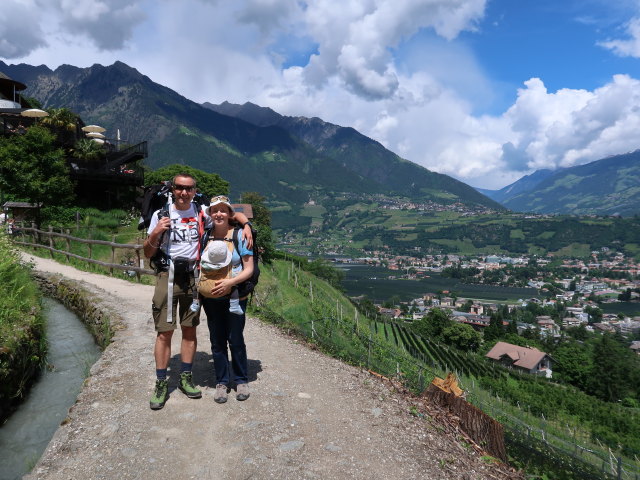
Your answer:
<point x="158" y="196"/>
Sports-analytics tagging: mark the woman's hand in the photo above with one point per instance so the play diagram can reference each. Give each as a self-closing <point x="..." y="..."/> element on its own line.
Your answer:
<point x="222" y="288"/>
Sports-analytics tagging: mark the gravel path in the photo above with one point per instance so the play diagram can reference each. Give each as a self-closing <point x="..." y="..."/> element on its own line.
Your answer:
<point x="309" y="416"/>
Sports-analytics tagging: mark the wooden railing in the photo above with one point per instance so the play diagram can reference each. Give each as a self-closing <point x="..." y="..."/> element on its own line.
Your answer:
<point x="45" y="239"/>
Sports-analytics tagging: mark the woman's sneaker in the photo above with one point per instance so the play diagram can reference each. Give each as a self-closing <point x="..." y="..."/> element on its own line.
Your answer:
<point x="242" y="391"/>
<point x="160" y="395"/>
<point x="221" y="393"/>
<point x="187" y="387"/>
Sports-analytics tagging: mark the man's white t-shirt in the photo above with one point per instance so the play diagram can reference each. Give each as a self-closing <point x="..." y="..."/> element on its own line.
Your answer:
<point x="183" y="232"/>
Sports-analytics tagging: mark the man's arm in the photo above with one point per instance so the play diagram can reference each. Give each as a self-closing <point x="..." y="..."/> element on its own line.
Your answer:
<point x="152" y="243"/>
<point x="242" y="219"/>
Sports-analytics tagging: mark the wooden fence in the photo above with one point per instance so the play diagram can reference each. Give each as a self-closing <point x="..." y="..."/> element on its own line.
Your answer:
<point x="45" y="239"/>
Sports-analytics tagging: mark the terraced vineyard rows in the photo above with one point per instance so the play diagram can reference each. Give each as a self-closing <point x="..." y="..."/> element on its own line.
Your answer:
<point x="435" y="354"/>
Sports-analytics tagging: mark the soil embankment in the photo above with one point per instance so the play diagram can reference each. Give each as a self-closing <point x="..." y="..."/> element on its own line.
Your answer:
<point x="309" y="416"/>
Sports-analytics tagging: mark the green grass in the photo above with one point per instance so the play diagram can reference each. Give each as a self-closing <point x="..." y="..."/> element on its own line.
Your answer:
<point x="575" y="250"/>
<point x="22" y="327"/>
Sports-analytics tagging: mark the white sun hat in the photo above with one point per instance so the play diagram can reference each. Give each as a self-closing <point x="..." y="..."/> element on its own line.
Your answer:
<point x="218" y="254"/>
<point x="217" y="200"/>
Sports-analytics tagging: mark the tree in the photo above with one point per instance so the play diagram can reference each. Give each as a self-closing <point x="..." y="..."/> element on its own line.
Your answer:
<point x="209" y="184"/>
<point x="461" y="336"/>
<point x="87" y="149"/>
<point x="63" y="123"/>
<point x="262" y="223"/>
<point x="34" y="170"/>
<point x="432" y="324"/>
<point x="595" y="314"/>
<point x="573" y="364"/>
<point x="609" y="379"/>
<point x="495" y="330"/>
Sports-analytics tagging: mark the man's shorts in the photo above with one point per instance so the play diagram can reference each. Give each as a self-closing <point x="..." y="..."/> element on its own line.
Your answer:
<point x="182" y="300"/>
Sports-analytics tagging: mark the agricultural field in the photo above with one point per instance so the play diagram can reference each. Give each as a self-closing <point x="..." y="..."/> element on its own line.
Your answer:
<point x="353" y="227"/>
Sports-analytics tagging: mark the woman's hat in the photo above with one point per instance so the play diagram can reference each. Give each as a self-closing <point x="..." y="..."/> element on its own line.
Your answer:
<point x="217" y="200"/>
<point x="219" y="255"/>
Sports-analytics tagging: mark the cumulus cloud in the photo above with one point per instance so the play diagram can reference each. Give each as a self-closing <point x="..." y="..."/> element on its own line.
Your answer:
<point x="17" y="37"/>
<point x="356" y="39"/>
<point x="629" y="47"/>
<point x="570" y="127"/>
<point x="109" y="24"/>
<point x="27" y="25"/>
<point x="347" y="71"/>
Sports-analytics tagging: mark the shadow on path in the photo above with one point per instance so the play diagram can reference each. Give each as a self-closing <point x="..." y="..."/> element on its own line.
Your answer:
<point x="203" y="372"/>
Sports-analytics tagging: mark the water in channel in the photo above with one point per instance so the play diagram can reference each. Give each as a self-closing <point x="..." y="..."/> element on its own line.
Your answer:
<point x="72" y="352"/>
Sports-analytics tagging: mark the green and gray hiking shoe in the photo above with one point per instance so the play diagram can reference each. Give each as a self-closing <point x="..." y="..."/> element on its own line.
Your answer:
<point x="160" y="395"/>
<point x="187" y="387"/>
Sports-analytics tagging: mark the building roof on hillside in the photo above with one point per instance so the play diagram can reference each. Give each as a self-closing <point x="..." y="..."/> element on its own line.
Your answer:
<point x="245" y="208"/>
<point x="523" y="357"/>
<point x="4" y="79"/>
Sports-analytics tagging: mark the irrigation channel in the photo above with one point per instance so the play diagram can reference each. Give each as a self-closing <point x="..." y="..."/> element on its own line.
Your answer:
<point x="72" y="352"/>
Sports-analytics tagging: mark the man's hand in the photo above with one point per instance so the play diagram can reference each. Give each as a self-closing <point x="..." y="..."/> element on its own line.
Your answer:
<point x="152" y="243"/>
<point x="163" y="225"/>
<point x="247" y="236"/>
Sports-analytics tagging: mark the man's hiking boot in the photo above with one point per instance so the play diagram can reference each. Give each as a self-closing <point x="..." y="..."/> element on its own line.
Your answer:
<point x="242" y="391"/>
<point x="160" y="395"/>
<point x="221" y="393"/>
<point x="187" y="387"/>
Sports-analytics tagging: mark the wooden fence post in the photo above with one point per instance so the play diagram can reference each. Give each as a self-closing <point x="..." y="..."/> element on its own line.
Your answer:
<point x="138" y="262"/>
<point x="50" y="241"/>
<point x="113" y="254"/>
<point x="68" y="245"/>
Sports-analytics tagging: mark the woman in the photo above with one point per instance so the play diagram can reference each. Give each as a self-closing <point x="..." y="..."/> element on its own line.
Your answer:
<point x="225" y="317"/>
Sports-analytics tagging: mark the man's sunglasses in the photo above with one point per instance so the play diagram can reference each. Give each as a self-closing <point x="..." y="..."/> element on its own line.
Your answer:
<point x="188" y="188"/>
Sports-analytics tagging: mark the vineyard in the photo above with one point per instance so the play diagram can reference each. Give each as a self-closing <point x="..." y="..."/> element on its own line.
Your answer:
<point x="549" y="427"/>
<point x="437" y="355"/>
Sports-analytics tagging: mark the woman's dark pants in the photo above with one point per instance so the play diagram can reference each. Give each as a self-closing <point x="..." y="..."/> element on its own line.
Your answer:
<point x="226" y="329"/>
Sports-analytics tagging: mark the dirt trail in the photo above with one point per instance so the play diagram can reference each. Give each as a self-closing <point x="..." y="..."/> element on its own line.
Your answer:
<point x="309" y="416"/>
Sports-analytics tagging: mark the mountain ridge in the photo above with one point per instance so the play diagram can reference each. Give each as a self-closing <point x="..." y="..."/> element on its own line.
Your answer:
<point x="354" y="150"/>
<point x="266" y="157"/>
<point x="608" y="186"/>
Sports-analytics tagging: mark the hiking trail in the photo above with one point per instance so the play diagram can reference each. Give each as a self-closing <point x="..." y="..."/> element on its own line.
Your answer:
<point x="309" y="416"/>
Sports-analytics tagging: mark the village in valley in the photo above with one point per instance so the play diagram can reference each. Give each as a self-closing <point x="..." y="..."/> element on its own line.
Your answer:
<point x="574" y="289"/>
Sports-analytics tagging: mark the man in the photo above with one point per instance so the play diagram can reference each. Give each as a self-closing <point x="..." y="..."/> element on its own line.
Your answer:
<point x="173" y="243"/>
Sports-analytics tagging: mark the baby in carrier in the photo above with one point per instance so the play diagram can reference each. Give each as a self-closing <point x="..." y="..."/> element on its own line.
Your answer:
<point x="216" y="265"/>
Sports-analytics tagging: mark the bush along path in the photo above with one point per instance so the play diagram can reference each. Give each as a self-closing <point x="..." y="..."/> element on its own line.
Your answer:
<point x="309" y="415"/>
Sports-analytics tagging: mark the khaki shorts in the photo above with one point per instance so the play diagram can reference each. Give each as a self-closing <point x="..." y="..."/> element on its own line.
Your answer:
<point x="182" y="300"/>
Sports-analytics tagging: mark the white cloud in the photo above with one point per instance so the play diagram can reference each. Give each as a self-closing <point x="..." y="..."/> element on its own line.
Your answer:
<point x="17" y="37"/>
<point x="388" y="68"/>
<point x="629" y="47"/>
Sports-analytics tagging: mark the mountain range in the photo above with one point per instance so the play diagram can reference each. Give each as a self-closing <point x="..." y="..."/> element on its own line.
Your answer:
<point x="296" y="160"/>
<point x="610" y="186"/>
<point x="289" y="160"/>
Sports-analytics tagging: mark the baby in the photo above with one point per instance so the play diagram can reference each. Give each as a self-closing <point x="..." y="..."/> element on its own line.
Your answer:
<point x="217" y="258"/>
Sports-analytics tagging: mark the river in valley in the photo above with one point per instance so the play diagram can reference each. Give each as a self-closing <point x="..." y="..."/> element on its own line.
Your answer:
<point x="72" y="352"/>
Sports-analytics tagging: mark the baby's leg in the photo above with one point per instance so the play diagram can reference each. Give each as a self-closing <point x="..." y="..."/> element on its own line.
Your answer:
<point x="234" y="302"/>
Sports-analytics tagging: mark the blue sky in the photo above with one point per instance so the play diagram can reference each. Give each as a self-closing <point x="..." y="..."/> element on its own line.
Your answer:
<point x="483" y="90"/>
